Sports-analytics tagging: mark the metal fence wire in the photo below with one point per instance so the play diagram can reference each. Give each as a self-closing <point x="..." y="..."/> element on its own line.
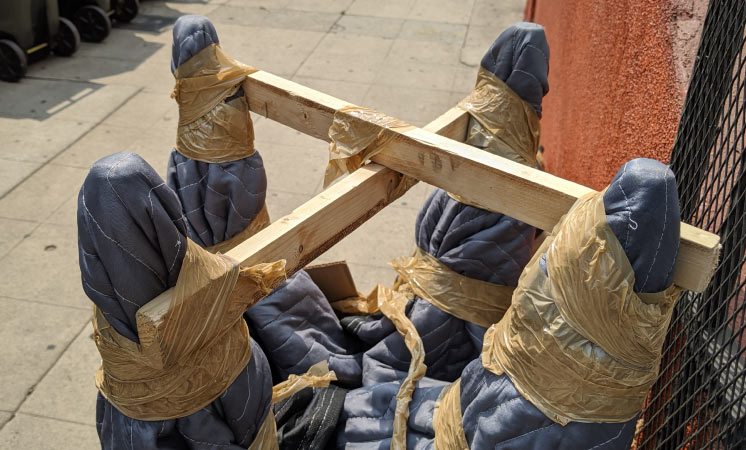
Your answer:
<point x="699" y="399"/>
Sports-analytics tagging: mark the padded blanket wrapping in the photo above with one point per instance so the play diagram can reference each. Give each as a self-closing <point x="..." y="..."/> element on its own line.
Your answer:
<point x="219" y="199"/>
<point x="367" y="421"/>
<point x="132" y="238"/>
<point x="472" y="242"/>
<point x="297" y="328"/>
<point x="493" y="411"/>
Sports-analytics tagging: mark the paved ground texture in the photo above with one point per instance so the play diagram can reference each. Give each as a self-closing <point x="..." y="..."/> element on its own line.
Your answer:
<point x="412" y="59"/>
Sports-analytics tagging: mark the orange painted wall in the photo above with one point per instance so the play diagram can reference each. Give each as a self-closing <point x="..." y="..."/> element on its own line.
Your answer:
<point x="614" y="90"/>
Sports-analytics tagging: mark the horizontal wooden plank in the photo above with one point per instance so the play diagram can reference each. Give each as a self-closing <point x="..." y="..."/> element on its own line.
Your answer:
<point x="304" y="109"/>
<point x="535" y="197"/>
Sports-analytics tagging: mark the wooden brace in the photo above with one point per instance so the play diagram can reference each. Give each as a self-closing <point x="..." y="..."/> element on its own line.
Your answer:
<point x="435" y="154"/>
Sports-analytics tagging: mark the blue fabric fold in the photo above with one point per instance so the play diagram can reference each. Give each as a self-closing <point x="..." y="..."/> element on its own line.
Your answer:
<point x="132" y="241"/>
<point x="298" y="328"/>
<point x="494" y="413"/>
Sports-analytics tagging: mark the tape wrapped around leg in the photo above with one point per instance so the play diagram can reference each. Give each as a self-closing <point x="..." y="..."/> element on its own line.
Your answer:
<point x="578" y="342"/>
<point x="468" y="299"/>
<point x="505" y="125"/>
<point x="191" y="347"/>
<point x="356" y="135"/>
<point x="210" y="129"/>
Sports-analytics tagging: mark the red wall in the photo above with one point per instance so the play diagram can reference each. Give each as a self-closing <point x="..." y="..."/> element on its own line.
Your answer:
<point x="614" y="93"/>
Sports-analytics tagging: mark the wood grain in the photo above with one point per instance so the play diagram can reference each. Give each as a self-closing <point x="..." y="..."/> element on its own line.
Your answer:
<point x="532" y="196"/>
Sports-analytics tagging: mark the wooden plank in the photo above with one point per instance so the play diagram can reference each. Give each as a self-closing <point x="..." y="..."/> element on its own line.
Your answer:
<point x="304" y="109"/>
<point x="311" y="112"/>
<point x="535" y="197"/>
<point x="311" y="229"/>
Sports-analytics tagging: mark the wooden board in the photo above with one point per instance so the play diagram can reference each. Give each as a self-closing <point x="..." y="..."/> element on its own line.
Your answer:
<point x="311" y="229"/>
<point x="535" y="197"/>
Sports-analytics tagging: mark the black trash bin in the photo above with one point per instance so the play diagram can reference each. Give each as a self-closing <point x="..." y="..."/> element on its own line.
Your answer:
<point x="125" y="10"/>
<point x="93" y="17"/>
<point x="90" y="16"/>
<point x="29" y="28"/>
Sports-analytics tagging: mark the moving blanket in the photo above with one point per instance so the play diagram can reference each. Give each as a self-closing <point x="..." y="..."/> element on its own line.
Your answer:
<point x="296" y="327"/>
<point x="470" y="241"/>
<point x="131" y="243"/>
<point x="641" y="207"/>
<point x="220" y="199"/>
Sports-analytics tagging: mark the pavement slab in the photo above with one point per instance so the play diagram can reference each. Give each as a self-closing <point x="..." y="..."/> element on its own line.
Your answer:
<point x="31" y="347"/>
<point x="80" y="68"/>
<point x="284" y="175"/>
<point x="44" y="268"/>
<point x="347" y="58"/>
<point x="368" y="26"/>
<point x="38" y="141"/>
<point x="4" y="417"/>
<point x="390" y="9"/>
<point x="445" y="11"/>
<point x="271" y="132"/>
<point x="349" y="91"/>
<point x="271" y="49"/>
<point x="155" y="146"/>
<point x="328" y="6"/>
<point x="76" y="369"/>
<point x="29" y="432"/>
<point x="491" y="12"/>
<point x="14" y="231"/>
<point x="178" y="8"/>
<point x="103" y="140"/>
<point x="408" y="51"/>
<point x="416" y="75"/>
<point x="42" y="193"/>
<point x="13" y="173"/>
<point x="123" y="44"/>
<point x="418" y="30"/>
<point x="280" y="204"/>
<point x="413" y="105"/>
<point x="288" y="19"/>
<point x="142" y="110"/>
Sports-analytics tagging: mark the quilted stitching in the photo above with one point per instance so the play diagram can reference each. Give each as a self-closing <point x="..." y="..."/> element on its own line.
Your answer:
<point x="220" y="199"/>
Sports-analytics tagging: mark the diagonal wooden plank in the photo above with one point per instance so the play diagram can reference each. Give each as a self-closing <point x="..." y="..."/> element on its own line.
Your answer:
<point x="318" y="224"/>
<point x="311" y="229"/>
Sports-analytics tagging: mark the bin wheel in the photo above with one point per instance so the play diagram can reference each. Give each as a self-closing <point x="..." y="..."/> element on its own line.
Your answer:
<point x="126" y="10"/>
<point x="13" y="61"/>
<point x="68" y="39"/>
<point x="93" y="23"/>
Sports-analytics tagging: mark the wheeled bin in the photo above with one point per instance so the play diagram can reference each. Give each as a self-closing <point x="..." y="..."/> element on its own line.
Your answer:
<point x="125" y="10"/>
<point x="93" y="17"/>
<point x="31" y="28"/>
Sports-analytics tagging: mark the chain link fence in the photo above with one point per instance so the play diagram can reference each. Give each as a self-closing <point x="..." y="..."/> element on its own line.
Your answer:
<point x="699" y="399"/>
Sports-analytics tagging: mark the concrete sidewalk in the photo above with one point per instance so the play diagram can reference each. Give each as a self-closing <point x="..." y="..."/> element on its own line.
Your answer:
<point x="412" y="59"/>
